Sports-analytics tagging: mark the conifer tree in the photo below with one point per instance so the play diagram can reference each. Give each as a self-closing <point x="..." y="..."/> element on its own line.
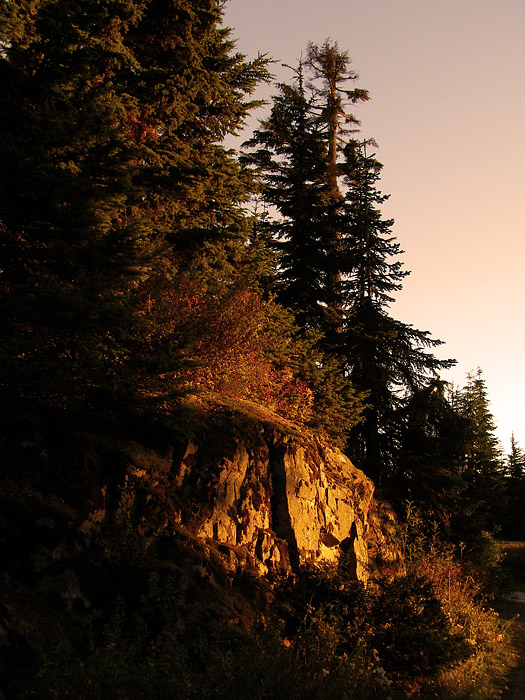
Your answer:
<point x="330" y="67"/>
<point x="387" y="359"/>
<point x="114" y="190"/>
<point x="290" y="157"/>
<point x="429" y="465"/>
<point x="512" y="517"/>
<point x="483" y="470"/>
<point x="370" y="255"/>
<point x="339" y="266"/>
<point x="299" y="153"/>
<point x="515" y="460"/>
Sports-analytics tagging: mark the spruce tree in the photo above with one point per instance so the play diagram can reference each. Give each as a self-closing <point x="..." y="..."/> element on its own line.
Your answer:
<point x="299" y="158"/>
<point x="483" y="460"/>
<point x="429" y="465"/>
<point x="289" y="154"/>
<point x="386" y="358"/>
<point x="339" y="265"/>
<point x="516" y="461"/>
<point x="331" y="74"/>
<point x="513" y="525"/>
<point x="114" y="191"/>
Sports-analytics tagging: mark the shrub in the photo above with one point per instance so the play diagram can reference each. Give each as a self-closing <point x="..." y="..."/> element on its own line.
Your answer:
<point x="460" y="581"/>
<point x="231" y="341"/>
<point x="412" y="634"/>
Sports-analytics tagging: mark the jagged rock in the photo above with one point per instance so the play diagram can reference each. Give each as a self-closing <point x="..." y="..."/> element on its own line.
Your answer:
<point x="270" y="502"/>
<point x="286" y="502"/>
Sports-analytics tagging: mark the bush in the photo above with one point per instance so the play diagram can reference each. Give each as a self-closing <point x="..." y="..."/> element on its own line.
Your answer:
<point x="412" y="634"/>
<point x="232" y="342"/>
<point x="461" y="581"/>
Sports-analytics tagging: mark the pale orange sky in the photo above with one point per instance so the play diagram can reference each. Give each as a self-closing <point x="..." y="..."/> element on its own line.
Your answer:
<point x="447" y="109"/>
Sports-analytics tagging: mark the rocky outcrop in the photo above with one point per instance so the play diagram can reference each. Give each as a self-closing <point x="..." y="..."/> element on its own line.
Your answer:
<point x="285" y="502"/>
<point x="257" y="496"/>
<point x="177" y="535"/>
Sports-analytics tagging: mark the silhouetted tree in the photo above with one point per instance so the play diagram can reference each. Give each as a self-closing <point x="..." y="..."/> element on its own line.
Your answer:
<point x="515" y="460"/>
<point x="289" y="153"/>
<point x="513" y="524"/>
<point x="114" y="190"/>
<point x="385" y="358"/>
<point x="332" y="74"/>
<point x="338" y="257"/>
<point x="429" y="465"/>
<point x="483" y="459"/>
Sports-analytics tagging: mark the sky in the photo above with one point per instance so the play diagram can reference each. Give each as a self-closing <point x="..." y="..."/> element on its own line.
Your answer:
<point x="447" y="108"/>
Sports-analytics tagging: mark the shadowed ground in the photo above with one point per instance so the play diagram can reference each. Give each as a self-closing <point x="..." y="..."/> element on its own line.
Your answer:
<point x="514" y="608"/>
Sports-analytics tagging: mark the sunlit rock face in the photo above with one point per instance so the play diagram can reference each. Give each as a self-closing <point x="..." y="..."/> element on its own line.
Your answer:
<point x="284" y="503"/>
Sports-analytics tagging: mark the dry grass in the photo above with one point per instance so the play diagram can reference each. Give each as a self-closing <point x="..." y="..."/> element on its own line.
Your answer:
<point x="483" y="676"/>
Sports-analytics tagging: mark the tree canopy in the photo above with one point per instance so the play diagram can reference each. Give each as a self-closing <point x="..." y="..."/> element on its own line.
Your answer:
<point x="339" y="262"/>
<point x="132" y="270"/>
<point x="115" y="194"/>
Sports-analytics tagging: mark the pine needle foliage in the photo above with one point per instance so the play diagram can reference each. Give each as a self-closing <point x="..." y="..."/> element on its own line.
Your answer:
<point x="113" y="183"/>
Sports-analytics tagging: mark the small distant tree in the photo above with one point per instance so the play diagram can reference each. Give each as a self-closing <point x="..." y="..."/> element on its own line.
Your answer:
<point x="516" y="461"/>
<point x="513" y="524"/>
<point x="483" y="457"/>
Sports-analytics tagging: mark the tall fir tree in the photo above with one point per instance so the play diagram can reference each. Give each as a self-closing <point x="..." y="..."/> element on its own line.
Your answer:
<point x="339" y="266"/>
<point x="298" y="153"/>
<point x="332" y="75"/>
<point x="114" y="189"/>
<point x="289" y="154"/>
<point x="387" y="359"/>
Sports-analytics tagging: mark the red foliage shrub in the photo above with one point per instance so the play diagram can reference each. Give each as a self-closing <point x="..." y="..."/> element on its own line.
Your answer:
<point x="234" y="342"/>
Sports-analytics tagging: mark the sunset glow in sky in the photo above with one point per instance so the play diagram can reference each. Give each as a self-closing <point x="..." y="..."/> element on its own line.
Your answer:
<point x="447" y="110"/>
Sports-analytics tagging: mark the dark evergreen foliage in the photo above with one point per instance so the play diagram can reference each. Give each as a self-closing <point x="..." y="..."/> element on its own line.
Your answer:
<point x="338" y="261"/>
<point x="430" y="463"/>
<point x="113" y="184"/>
<point x="370" y="255"/>
<point x="290" y="155"/>
<point x="388" y="359"/>
<point x="515" y="460"/>
<point x="512" y="522"/>
<point x="332" y="76"/>
<point x="290" y="159"/>
<point x="130" y="273"/>
<point x="483" y="471"/>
